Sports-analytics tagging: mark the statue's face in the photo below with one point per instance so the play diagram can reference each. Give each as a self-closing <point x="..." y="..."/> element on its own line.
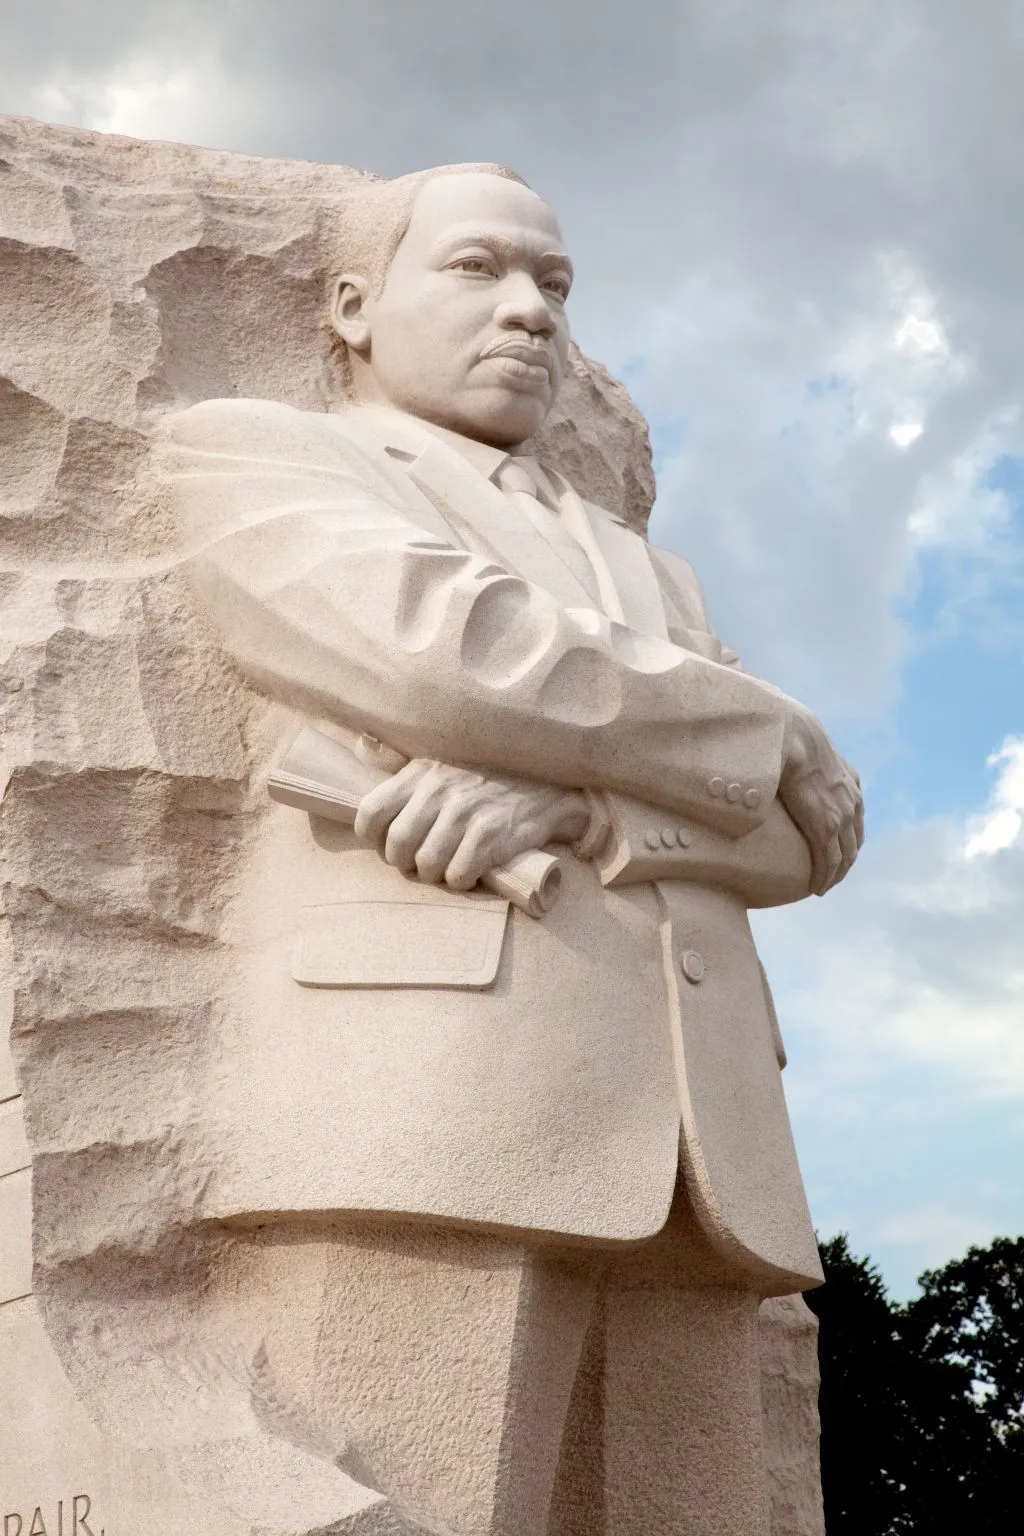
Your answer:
<point x="470" y="329"/>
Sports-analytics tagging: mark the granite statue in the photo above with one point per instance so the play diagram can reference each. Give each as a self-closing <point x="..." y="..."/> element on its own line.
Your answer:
<point x="392" y="1137"/>
<point x="512" y="1123"/>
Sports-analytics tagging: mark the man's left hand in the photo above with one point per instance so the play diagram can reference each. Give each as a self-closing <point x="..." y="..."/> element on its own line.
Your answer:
<point x="457" y="824"/>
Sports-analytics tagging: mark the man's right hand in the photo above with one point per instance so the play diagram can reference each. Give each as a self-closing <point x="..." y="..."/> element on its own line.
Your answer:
<point x="822" y="794"/>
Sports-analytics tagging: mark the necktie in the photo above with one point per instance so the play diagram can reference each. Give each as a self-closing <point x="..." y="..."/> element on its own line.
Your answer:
<point x="522" y="490"/>
<point x="515" y="480"/>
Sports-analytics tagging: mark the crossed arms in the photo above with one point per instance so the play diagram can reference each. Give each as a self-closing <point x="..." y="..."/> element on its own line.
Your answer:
<point x="336" y="594"/>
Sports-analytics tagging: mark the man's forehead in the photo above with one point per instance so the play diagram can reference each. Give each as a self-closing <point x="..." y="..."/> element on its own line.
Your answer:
<point x="457" y="204"/>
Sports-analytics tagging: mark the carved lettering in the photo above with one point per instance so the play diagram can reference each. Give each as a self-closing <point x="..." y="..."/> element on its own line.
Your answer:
<point x="81" y="1509"/>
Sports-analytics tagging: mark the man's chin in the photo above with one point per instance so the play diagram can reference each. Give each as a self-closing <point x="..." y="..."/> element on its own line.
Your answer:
<point x="504" y="417"/>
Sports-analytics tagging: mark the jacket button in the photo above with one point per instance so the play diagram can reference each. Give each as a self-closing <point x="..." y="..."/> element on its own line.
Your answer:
<point x="752" y="799"/>
<point x="668" y="836"/>
<point x="692" y="966"/>
<point x="733" y="792"/>
<point x="684" y="837"/>
<point x="652" y="839"/>
<point x="716" y="786"/>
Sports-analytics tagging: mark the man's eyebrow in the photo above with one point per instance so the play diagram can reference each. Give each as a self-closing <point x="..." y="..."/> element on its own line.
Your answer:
<point x="507" y="249"/>
<point x="558" y="259"/>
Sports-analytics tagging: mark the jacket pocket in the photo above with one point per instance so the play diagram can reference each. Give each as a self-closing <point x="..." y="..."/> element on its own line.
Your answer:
<point x="429" y="938"/>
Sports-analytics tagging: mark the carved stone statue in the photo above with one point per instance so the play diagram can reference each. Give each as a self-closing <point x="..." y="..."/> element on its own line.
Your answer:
<point x="514" y="1124"/>
<point x="478" y="1168"/>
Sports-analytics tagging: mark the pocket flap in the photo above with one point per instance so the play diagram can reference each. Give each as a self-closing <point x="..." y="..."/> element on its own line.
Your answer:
<point x="449" y="939"/>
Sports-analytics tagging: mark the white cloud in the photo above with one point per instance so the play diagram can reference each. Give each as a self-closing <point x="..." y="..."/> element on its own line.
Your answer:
<point x="144" y="96"/>
<point x="901" y="997"/>
<point x="793" y="219"/>
<point x="953" y="505"/>
<point x="933" y="1230"/>
<point x="904" y="433"/>
<point x="800" y="226"/>
<point x="913" y="970"/>
<point x="1000" y="826"/>
<point x="150" y="100"/>
<point x="924" y="334"/>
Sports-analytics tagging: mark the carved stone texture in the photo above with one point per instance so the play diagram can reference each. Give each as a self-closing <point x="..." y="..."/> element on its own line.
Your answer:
<point x="600" y="441"/>
<point x="136" y="278"/>
<point x="789" y="1398"/>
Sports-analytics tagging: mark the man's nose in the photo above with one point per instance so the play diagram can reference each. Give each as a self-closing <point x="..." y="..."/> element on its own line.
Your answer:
<point x="523" y="307"/>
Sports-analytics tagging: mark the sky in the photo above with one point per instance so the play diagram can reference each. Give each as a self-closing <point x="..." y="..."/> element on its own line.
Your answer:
<point x="799" y="237"/>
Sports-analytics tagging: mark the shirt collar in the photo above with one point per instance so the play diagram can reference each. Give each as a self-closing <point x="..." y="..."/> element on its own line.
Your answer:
<point x="484" y="458"/>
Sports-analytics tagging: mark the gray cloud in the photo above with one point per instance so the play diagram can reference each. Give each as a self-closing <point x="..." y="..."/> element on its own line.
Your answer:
<point x="744" y="186"/>
<point x="759" y="196"/>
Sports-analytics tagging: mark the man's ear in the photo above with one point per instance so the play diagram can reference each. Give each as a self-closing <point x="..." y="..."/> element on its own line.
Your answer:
<point x="349" y="317"/>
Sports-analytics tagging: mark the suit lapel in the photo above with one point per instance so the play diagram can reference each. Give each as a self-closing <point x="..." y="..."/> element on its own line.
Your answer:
<point x="485" y="520"/>
<point x="488" y="522"/>
<point x="629" y="564"/>
<point x="630" y="590"/>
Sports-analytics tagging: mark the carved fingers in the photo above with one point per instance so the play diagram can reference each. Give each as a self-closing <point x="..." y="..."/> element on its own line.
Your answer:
<point x="455" y="824"/>
<point x="425" y="801"/>
<point x="822" y="793"/>
<point x="467" y="838"/>
<point x="378" y="809"/>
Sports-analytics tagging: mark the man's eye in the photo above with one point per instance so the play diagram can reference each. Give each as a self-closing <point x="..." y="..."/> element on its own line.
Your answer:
<point x="474" y="265"/>
<point x="556" y="286"/>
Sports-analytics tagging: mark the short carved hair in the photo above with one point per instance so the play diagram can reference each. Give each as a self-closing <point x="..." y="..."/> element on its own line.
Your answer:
<point x="375" y="222"/>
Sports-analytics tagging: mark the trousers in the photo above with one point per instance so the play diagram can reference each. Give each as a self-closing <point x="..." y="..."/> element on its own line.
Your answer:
<point x="493" y="1384"/>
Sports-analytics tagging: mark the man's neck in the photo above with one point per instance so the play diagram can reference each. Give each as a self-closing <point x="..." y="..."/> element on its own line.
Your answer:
<point x="483" y="456"/>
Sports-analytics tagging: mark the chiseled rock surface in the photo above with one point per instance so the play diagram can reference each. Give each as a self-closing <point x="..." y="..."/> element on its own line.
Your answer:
<point x="137" y="277"/>
<point x="789" y="1397"/>
<point x="134" y="278"/>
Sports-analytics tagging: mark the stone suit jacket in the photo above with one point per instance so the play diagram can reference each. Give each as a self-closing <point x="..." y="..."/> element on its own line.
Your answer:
<point x="393" y="1047"/>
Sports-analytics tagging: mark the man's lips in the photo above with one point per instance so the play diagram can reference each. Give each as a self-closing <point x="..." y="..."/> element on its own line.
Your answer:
<point x="534" y="358"/>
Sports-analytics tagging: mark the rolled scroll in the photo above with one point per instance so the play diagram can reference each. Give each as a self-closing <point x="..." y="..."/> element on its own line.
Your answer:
<point x="327" y="778"/>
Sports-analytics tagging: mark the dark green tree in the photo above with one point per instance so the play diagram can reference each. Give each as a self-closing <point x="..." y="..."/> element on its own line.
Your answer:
<point x="922" y="1406"/>
<point x="863" y="1411"/>
<point x="965" y="1335"/>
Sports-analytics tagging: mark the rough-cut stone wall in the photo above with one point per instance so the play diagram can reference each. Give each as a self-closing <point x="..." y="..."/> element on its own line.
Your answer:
<point x="789" y="1397"/>
<point x="136" y="277"/>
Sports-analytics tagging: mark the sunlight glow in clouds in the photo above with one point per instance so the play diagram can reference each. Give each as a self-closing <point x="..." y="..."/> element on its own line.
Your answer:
<point x="143" y="98"/>
<point x="930" y="367"/>
<point x="906" y="432"/>
<point x="149" y="97"/>
<point x="921" y="333"/>
<point x="1000" y="826"/>
<point x="826" y="338"/>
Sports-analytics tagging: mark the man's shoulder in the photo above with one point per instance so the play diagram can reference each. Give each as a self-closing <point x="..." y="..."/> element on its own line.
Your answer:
<point x="260" y="429"/>
<point x="234" y="462"/>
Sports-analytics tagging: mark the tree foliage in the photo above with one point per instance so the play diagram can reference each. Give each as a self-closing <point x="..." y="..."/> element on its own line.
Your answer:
<point x="922" y="1406"/>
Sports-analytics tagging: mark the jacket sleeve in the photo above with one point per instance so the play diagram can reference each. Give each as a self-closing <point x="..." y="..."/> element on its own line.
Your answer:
<point x="332" y="596"/>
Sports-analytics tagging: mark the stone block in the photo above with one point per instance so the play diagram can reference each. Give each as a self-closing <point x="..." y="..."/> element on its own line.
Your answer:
<point x="136" y="278"/>
<point x="15" y="1236"/>
<point x="789" y="1399"/>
